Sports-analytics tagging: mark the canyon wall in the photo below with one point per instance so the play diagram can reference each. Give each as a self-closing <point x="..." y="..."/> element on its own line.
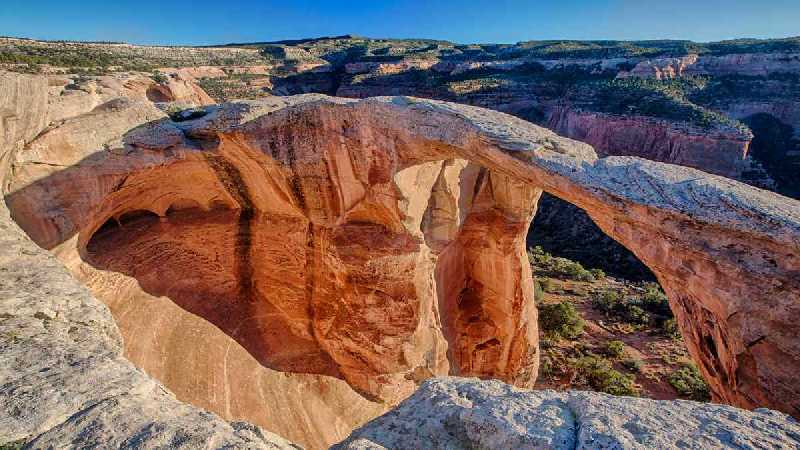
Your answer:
<point x="748" y="64"/>
<point x="718" y="152"/>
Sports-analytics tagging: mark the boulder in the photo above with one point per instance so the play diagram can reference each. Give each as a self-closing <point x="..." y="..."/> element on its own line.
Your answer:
<point x="456" y="413"/>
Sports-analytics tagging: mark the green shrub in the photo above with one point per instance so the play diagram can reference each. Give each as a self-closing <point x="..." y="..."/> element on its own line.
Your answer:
<point x="599" y="374"/>
<point x="670" y="328"/>
<point x="615" y="349"/>
<point x="538" y="291"/>
<point x="537" y="256"/>
<point x="635" y="315"/>
<point x="607" y="301"/>
<point x="15" y="445"/>
<point x="560" y="320"/>
<point x="558" y="267"/>
<point x="159" y="77"/>
<point x="598" y="274"/>
<point x="655" y="301"/>
<point x="634" y="365"/>
<point x="546" y="284"/>
<point x="690" y="383"/>
<point x="546" y="368"/>
<point x="624" y="309"/>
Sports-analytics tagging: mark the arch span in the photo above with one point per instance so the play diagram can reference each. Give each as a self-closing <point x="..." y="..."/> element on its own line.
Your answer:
<point x="381" y="241"/>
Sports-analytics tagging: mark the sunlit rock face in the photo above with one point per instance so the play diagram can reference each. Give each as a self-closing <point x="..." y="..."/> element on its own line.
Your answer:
<point x="305" y="262"/>
<point x="279" y="266"/>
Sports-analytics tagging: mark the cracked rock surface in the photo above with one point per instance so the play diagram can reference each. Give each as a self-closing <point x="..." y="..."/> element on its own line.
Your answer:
<point x="461" y="413"/>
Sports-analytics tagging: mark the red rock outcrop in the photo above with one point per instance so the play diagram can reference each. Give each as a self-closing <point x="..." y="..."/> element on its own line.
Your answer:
<point x="715" y="151"/>
<point x="379" y="242"/>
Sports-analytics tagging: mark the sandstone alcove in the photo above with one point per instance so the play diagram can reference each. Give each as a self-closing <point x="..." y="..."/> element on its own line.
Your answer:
<point x="322" y="256"/>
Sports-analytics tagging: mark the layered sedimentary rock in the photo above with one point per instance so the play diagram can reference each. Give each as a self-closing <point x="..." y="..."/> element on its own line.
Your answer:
<point x="721" y="152"/>
<point x="354" y="248"/>
<point x="748" y="64"/>
<point x="460" y="413"/>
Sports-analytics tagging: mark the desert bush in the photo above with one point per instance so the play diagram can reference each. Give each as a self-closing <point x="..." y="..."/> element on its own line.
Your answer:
<point x="614" y="305"/>
<point x="560" y="320"/>
<point x="546" y="367"/>
<point x="159" y="77"/>
<point x="615" y="349"/>
<point x="559" y="267"/>
<point x="598" y="274"/>
<point x="634" y="314"/>
<point x="607" y="301"/>
<point x="598" y="373"/>
<point x="669" y="327"/>
<point x="15" y="445"/>
<point x="547" y="284"/>
<point x="655" y="301"/>
<point x="633" y="364"/>
<point x="690" y="383"/>
<point x="538" y="291"/>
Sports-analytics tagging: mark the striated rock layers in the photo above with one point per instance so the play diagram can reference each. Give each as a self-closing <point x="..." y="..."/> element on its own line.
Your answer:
<point x="721" y="152"/>
<point x="452" y="413"/>
<point x="310" y="260"/>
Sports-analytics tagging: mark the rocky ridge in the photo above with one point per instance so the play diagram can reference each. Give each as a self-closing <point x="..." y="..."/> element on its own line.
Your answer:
<point x="490" y="414"/>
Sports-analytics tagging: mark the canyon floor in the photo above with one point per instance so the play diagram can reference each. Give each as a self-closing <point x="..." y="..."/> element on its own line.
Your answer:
<point x="649" y="355"/>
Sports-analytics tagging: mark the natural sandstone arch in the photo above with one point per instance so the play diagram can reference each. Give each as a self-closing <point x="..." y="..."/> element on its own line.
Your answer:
<point x="428" y="203"/>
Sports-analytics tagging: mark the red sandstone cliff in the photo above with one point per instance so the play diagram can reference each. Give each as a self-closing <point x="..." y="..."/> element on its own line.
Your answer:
<point x="719" y="152"/>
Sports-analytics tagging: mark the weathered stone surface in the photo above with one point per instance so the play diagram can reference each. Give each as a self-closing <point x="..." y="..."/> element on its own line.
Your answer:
<point x="63" y="379"/>
<point x="23" y="110"/>
<point x="367" y="245"/>
<point x="454" y="413"/>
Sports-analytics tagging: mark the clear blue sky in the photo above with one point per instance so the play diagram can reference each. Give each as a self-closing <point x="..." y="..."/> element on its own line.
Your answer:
<point x="221" y="21"/>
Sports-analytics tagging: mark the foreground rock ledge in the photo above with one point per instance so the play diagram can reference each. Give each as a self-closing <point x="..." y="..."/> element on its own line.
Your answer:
<point x="454" y="413"/>
<point x="407" y="215"/>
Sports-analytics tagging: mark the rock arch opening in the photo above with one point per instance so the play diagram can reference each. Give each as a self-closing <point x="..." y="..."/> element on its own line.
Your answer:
<point x="384" y="243"/>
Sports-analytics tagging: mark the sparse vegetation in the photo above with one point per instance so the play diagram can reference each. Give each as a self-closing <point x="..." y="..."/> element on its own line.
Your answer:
<point x="561" y="267"/>
<point x="560" y="320"/>
<point x="159" y="77"/>
<point x="664" y="99"/>
<point x="602" y="377"/>
<point x="670" y="328"/>
<point x="634" y="365"/>
<point x="15" y="445"/>
<point x="651" y="307"/>
<point x="615" y="349"/>
<point x="690" y="383"/>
